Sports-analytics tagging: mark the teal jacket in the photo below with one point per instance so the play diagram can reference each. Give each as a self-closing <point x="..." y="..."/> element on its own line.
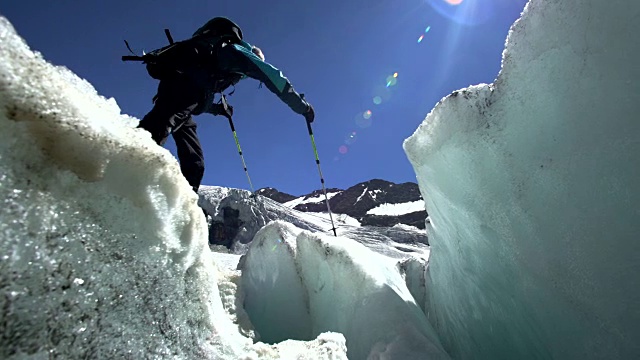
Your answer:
<point x="238" y="59"/>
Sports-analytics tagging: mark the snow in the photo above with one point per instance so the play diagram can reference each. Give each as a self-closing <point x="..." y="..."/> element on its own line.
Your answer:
<point x="364" y="192"/>
<point x="255" y="213"/>
<point x="339" y="219"/>
<point x="86" y="196"/>
<point x="375" y="193"/>
<point x="532" y="187"/>
<point x="397" y="209"/>
<point x="295" y="202"/>
<point x="312" y="200"/>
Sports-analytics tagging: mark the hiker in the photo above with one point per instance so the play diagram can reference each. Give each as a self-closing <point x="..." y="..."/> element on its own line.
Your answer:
<point x="188" y="90"/>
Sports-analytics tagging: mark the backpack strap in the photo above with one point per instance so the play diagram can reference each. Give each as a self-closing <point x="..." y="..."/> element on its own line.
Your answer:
<point x="168" y="34"/>
<point x="136" y="57"/>
<point x="132" y="58"/>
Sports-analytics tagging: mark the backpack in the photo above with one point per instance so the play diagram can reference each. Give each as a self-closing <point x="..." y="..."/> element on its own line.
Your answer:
<point x="191" y="55"/>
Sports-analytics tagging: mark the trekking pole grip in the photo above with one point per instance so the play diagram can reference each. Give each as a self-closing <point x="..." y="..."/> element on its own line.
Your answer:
<point x="309" y="128"/>
<point x="233" y="128"/>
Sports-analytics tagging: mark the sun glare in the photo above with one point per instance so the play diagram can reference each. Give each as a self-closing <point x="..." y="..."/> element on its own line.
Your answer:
<point x="454" y="2"/>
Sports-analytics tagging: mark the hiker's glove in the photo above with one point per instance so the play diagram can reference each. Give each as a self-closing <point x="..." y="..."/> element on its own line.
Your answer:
<point x="219" y="109"/>
<point x="309" y="115"/>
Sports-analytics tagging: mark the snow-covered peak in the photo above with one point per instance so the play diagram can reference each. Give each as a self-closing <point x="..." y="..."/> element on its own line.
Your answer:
<point x="359" y="200"/>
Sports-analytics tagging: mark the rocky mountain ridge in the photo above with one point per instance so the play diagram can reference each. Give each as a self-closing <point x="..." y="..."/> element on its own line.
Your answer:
<point x="360" y="200"/>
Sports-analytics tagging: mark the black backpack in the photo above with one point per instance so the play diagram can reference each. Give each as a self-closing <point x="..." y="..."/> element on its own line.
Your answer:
<point x="194" y="54"/>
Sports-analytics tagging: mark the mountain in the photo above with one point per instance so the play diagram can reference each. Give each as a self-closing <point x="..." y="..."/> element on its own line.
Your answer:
<point x="372" y="203"/>
<point x="276" y="195"/>
<point x="236" y="216"/>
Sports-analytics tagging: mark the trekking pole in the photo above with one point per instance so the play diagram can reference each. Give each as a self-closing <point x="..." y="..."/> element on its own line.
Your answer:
<point x="324" y="190"/>
<point x="235" y="136"/>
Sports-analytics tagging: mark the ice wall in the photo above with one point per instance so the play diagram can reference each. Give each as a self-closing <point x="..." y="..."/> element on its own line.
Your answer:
<point x="297" y="284"/>
<point x="102" y="243"/>
<point x="533" y="189"/>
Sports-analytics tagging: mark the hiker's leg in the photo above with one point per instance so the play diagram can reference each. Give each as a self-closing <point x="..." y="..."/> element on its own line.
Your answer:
<point x="190" y="153"/>
<point x="174" y="105"/>
<point x="158" y="123"/>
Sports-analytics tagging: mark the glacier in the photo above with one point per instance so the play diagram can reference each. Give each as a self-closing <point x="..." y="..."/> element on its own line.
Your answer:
<point x="532" y="187"/>
<point x="100" y="238"/>
<point x="531" y="184"/>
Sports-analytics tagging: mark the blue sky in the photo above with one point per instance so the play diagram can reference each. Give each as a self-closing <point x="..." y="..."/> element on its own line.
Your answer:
<point x="341" y="54"/>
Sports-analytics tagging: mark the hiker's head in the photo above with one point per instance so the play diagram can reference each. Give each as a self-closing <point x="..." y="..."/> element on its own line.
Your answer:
<point x="256" y="50"/>
<point x="219" y="26"/>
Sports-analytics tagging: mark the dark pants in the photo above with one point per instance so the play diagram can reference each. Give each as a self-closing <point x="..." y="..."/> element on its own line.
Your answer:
<point x="176" y="101"/>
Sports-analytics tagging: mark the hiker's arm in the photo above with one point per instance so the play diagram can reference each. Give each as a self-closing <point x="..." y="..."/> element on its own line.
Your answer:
<point x="236" y="58"/>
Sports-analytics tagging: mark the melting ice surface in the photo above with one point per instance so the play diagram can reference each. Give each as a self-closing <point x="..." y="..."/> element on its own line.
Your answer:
<point x="532" y="185"/>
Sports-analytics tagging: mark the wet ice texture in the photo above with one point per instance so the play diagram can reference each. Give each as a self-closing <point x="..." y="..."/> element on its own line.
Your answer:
<point x="533" y="189"/>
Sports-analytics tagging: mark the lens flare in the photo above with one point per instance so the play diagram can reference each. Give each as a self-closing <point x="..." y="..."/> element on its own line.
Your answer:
<point x="377" y="100"/>
<point x="427" y="29"/>
<point x="395" y="75"/>
<point x="420" y="38"/>
<point x="276" y="245"/>
<point x="468" y="13"/>
<point x="392" y="80"/>
<point x="383" y="92"/>
<point x="363" y="119"/>
<point x="343" y="149"/>
<point x="350" y="139"/>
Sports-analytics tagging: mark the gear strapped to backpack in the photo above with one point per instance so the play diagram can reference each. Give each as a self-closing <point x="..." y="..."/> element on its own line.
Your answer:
<point x="198" y="52"/>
